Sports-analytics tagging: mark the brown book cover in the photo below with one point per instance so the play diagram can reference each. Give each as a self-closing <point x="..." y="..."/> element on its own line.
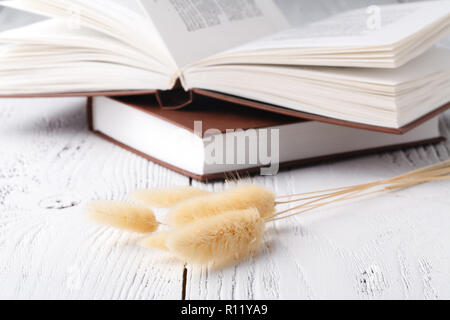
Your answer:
<point x="222" y="114"/>
<point x="309" y="116"/>
<point x="178" y="99"/>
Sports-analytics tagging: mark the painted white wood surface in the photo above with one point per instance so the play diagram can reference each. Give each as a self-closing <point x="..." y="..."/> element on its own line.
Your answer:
<point x="391" y="246"/>
<point x="50" y="167"/>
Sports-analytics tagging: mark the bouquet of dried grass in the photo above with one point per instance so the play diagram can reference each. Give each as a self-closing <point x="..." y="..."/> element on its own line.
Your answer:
<point x="221" y="228"/>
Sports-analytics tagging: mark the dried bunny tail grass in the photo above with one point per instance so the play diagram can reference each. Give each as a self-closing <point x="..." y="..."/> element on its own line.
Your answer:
<point x="425" y="174"/>
<point x="221" y="239"/>
<point x="437" y="172"/>
<point x="123" y="215"/>
<point x="156" y="241"/>
<point x="240" y="198"/>
<point x="166" y="198"/>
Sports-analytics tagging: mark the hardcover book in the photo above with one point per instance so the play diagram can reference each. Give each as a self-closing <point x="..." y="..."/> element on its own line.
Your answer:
<point x="210" y="140"/>
<point x="342" y="70"/>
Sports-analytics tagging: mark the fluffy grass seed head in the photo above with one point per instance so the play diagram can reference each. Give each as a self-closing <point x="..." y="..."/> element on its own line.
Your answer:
<point x="220" y="239"/>
<point x="240" y="198"/>
<point x="166" y="198"/>
<point x="156" y="241"/>
<point x="123" y="215"/>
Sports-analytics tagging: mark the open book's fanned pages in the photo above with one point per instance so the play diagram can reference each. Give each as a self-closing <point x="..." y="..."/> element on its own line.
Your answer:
<point x="116" y="93"/>
<point x="184" y="147"/>
<point x="118" y="47"/>
<point x="112" y="45"/>
<point x="393" y="99"/>
<point x="195" y="30"/>
<point x="386" y="36"/>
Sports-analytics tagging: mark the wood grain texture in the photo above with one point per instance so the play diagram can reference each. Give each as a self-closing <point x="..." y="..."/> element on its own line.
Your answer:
<point x="387" y="247"/>
<point x="391" y="246"/>
<point x="50" y="167"/>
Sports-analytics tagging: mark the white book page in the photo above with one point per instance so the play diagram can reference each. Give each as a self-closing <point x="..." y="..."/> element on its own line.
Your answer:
<point x="126" y="21"/>
<point x="55" y="33"/>
<point x="196" y="29"/>
<point x="51" y="57"/>
<point x="435" y="61"/>
<point x="133" y="5"/>
<point x="388" y="98"/>
<point x="368" y="27"/>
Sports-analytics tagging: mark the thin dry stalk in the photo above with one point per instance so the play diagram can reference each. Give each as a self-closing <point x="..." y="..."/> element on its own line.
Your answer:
<point x="442" y="168"/>
<point x="438" y="172"/>
<point x="306" y="209"/>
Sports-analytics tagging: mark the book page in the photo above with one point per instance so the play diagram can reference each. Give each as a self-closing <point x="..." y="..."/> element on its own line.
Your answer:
<point x="52" y="57"/>
<point x="382" y="97"/>
<point x="55" y="33"/>
<point x="196" y="29"/>
<point x="371" y="26"/>
<point x="133" y="5"/>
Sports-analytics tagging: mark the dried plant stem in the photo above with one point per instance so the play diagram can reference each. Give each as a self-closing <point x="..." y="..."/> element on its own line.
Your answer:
<point x="353" y="195"/>
<point x="414" y="182"/>
<point x="322" y="193"/>
<point x="315" y="200"/>
<point x="321" y="198"/>
<point x="318" y="203"/>
<point x="444" y="166"/>
<point x="307" y="194"/>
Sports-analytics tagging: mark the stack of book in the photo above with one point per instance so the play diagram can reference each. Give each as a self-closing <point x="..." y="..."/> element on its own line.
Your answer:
<point x="211" y="87"/>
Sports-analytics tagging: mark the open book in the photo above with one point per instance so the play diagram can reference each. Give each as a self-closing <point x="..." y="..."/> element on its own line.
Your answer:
<point x="241" y="48"/>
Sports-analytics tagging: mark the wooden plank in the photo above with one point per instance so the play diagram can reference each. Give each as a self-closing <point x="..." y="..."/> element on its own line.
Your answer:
<point x="390" y="246"/>
<point x="50" y="167"/>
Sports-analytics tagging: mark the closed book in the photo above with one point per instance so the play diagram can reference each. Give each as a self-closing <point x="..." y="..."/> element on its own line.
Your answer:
<point x="211" y="139"/>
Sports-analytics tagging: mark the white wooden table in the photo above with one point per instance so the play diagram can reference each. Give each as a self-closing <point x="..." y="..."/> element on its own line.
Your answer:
<point x="392" y="246"/>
